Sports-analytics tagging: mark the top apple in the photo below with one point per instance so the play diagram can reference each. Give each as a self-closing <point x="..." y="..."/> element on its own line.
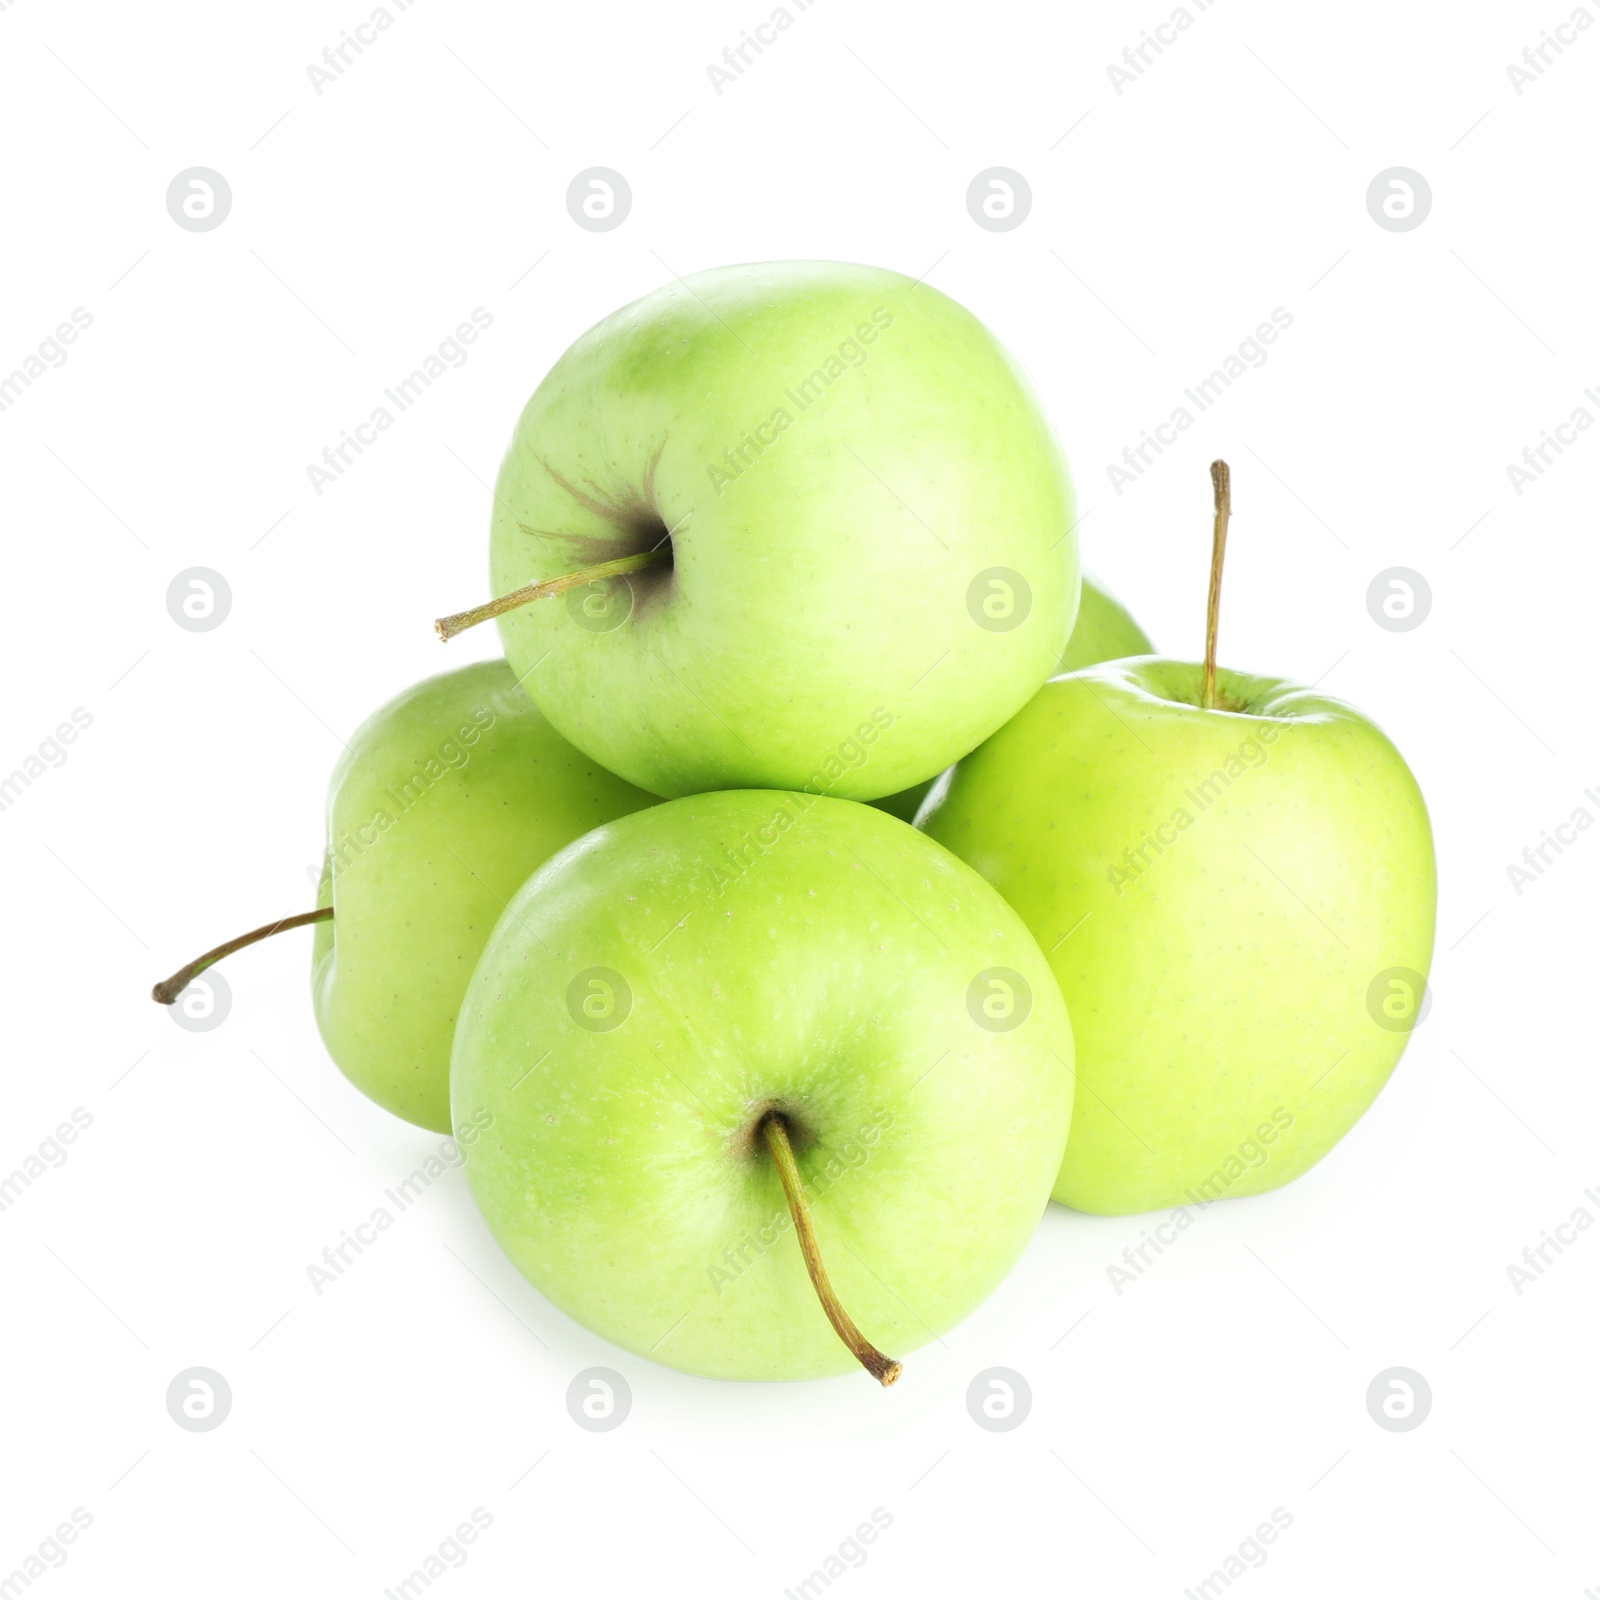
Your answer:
<point x="865" y="558"/>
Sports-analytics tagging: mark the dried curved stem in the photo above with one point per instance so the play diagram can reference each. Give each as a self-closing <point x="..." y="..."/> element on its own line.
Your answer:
<point x="458" y="622"/>
<point x="776" y="1133"/>
<point x="169" y="989"/>
<point x="1222" y="502"/>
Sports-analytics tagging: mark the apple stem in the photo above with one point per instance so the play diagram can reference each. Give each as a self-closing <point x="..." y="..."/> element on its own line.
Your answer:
<point x="776" y="1132"/>
<point x="1222" y="503"/>
<point x="448" y="627"/>
<point x="169" y="989"/>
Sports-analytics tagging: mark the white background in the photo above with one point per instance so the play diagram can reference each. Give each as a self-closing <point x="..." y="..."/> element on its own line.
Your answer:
<point x="1167" y="221"/>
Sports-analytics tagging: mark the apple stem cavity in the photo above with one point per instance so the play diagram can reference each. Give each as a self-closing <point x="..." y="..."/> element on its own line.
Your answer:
<point x="775" y="1130"/>
<point x="1222" y="503"/>
<point x="168" y="990"/>
<point x="448" y="627"/>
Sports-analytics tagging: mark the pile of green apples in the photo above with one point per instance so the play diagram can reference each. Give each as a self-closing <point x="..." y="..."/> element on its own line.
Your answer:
<point x="829" y="876"/>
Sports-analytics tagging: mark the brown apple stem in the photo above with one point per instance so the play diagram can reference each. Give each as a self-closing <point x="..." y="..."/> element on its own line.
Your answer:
<point x="1222" y="501"/>
<point x="448" y="627"/>
<point x="776" y="1132"/>
<point x="169" y="989"/>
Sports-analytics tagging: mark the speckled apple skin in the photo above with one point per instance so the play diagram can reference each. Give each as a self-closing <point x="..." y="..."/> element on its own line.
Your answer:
<point x="1223" y="894"/>
<point x="756" y="951"/>
<point x="847" y="462"/>
<point x="444" y="801"/>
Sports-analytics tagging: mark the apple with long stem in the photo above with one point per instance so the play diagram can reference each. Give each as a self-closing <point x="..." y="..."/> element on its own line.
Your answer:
<point x="771" y="514"/>
<point x="444" y="801"/>
<point x="750" y="1014"/>
<point x="1234" y="878"/>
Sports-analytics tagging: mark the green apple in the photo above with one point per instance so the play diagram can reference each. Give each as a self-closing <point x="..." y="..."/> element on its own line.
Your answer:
<point x="1104" y="631"/>
<point x="442" y="804"/>
<point x="846" y="515"/>
<point x="668" y="988"/>
<point x="444" y="801"/>
<point x="1237" y="899"/>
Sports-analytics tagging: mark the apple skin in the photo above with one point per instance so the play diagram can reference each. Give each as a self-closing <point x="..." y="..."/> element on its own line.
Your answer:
<point x="444" y="801"/>
<point x="780" y="951"/>
<point x="1217" y="970"/>
<point x="892" y="455"/>
<point x="1105" y="630"/>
